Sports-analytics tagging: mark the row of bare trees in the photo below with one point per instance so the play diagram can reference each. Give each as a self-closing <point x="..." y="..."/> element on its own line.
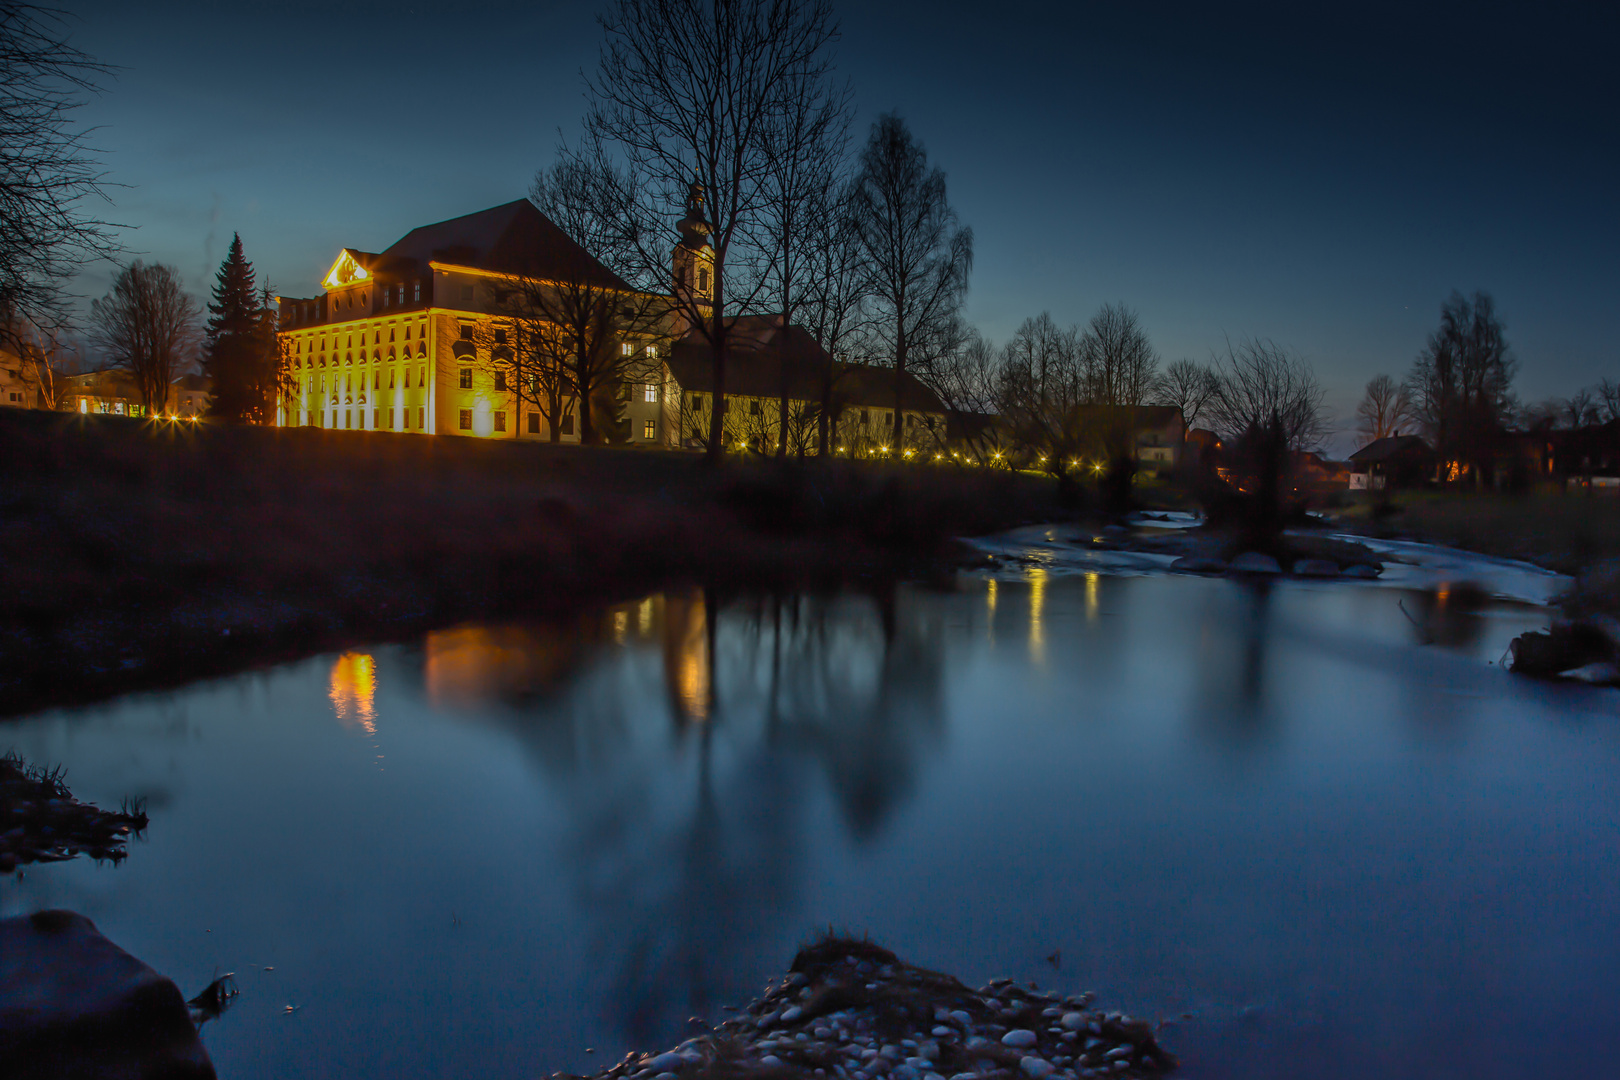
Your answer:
<point x="718" y="127"/>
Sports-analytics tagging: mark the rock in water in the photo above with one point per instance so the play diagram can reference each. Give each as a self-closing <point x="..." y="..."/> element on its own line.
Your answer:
<point x="1316" y="568"/>
<point x="74" y="1004"/>
<point x="1362" y="571"/>
<point x="1019" y="1037"/>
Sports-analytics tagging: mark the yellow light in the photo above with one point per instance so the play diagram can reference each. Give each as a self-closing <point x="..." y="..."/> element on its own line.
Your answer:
<point x="908" y="453"/>
<point x="883" y="449"/>
<point x="840" y="449"/>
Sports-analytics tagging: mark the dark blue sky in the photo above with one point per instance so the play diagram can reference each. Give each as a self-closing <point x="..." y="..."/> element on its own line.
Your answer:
<point x="1322" y="176"/>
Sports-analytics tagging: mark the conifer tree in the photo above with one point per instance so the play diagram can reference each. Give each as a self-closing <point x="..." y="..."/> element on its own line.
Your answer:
<point x="233" y="356"/>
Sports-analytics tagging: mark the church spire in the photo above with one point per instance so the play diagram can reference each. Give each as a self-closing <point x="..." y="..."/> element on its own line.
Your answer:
<point x="694" y="228"/>
<point x="693" y="256"/>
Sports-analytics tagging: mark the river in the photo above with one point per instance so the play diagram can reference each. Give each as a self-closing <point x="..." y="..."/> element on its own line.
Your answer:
<point x="1312" y="825"/>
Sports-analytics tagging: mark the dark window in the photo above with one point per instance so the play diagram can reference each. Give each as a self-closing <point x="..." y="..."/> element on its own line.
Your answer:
<point x="500" y="337"/>
<point x="567" y="425"/>
<point x="500" y="380"/>
<point x="388" y="294"/>
<point x="753" y="408"/>
<point x="500" y="420"/>
<point x="466" y="331"/>
<point x="466" y="419"/>
<point x="466" y="378"/>
<point x="534" y="423"/>
<point x="863" y="416"/>
<point x="421" y="418"/>
<point x="416" y="291"/>
<point x="703" y="279"/>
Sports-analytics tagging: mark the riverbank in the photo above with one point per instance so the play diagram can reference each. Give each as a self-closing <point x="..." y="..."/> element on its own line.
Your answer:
<point x="141" y="556"/>
<point x="1558" y="532"/>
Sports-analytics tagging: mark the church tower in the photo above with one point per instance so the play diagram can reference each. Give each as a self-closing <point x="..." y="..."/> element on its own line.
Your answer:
<point x="694" y="258"/>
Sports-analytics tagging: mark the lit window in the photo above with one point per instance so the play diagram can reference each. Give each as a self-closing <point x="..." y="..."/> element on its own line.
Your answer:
<point x="627" y="349"/>
<point x="651" y="392"/>
<point x="652" y="352"/>
<point x="466" y="419"/>
<point x="649" y="430"/>
<point x="500" y="420"/>
<point x="466" y="378"/>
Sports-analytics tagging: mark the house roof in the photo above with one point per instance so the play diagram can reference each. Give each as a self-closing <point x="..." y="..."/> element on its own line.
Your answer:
<point x="754" y="368"/>
<point x="1390" y="446"/>
<point x="513" y="238"/>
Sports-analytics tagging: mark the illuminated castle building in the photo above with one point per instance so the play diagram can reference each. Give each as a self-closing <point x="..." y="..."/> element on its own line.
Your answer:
<point x="408" y="339"/>
<point x="417" y="339"/>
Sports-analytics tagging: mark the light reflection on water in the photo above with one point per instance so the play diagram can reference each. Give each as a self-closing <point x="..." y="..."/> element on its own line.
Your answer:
<point x="1315" y="816"/>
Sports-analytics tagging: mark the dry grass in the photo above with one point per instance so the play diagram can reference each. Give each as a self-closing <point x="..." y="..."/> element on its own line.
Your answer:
<point x="136" y="554"/>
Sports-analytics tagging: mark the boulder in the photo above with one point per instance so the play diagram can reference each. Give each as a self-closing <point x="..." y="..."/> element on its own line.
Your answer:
<point x="1255" y="562"/>
<point x="1193" y="564"/>
<point x="74" y="1004"/>
<point x="1548" y="654"/>
<point x="1316" y="568"/>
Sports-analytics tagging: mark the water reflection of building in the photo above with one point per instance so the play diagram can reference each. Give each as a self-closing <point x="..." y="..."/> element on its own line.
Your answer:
<point x="352" y="687"/>
<point x="688" y="655"/>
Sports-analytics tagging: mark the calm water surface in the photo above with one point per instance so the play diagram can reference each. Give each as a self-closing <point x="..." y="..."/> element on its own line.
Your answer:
<point x="1316" y="818"/>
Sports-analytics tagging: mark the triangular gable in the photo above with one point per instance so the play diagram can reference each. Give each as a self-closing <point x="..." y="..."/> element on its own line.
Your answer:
<point x="346" y="271"/>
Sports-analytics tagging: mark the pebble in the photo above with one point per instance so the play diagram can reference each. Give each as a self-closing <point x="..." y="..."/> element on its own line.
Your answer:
<point x="1036" y="1068"/>
<point x="665" y="1062"/>
<point x="961" y="1016"/>
<point x="769" y="1059"/>
<point x="1073" y="1021"/>
<point x="941" y="1032"/>
<point x="977" y="1042"/>
<point x="791" y="1013"/>
<point x="1019" y="1037"/>
<point x="1120" y="1052"/>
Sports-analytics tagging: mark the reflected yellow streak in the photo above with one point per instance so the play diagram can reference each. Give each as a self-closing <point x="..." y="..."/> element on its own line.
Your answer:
<point x="1092" y="580"/>
<point x="990" y="597"/>
<point x="621" y="623"/>
<point x="1037" y="608"/>
<point x="686" y="654"/>
<point x="352" y="687"/>
<point x="644" y="617"/>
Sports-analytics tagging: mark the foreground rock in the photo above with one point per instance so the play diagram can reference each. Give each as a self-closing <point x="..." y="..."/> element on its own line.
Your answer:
<point x="852" y="1010"/>
<point x="73" y="1004"/>
<point x="1583" y="645"/>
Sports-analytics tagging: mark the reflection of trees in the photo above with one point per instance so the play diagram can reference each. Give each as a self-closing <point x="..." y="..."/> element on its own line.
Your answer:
<point x="1232" y="663"/>
<point x="687" y="837"/>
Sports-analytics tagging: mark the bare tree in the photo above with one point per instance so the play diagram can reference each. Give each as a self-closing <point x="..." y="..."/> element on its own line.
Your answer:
<point x="805" y="148"/>
<point x="1608" y="398"/>
<point x="1043" y="391"/>
<point x="834" y="305"/>
<point x="1186" y="385"/>
<point x="48" y="173"/>
<point x="1385" y="408"/>
<point x="1118" y="361"/>
<point x="686" y="97"/>
<point x="1461" y="384"/>
<point x="918" y="255"/>
<point x="1580" y="409"/>
<point x="574" y="327"/>
<point x="149" y="326"/>
<point x="47" y="357"/>
<point x="1261" y="385"/>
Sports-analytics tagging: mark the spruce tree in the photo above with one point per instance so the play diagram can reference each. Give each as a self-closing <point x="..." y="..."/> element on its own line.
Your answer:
<point x="232" y="357"/>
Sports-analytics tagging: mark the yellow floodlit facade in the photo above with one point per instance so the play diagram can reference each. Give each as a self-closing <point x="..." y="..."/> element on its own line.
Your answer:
<point x="403" y="340"/>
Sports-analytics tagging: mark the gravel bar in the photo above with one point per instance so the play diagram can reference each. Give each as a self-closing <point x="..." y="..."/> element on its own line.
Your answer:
<point x="851" y="1010"/>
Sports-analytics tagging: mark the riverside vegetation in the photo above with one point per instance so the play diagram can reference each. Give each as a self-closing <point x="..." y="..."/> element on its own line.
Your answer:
<point x="138" y="555"/>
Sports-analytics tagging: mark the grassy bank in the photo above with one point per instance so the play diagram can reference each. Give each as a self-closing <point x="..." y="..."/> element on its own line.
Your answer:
<point x="139" y="555"/>
<point x="1566" y="533"/>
